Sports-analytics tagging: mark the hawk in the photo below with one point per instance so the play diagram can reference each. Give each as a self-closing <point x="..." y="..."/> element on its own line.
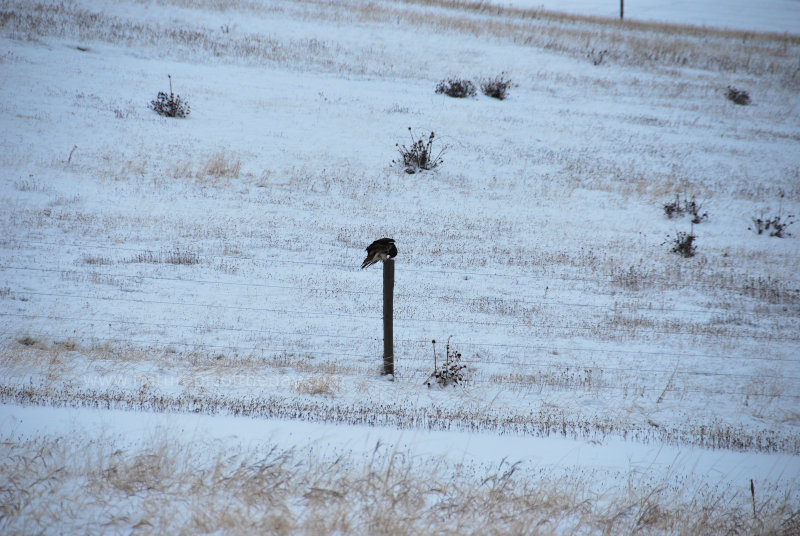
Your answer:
<point x="380" y="250"/>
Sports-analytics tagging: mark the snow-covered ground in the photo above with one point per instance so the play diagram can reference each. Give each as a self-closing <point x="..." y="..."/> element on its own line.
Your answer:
<point x="195" y="282"/>
<point x="765" y="16"/>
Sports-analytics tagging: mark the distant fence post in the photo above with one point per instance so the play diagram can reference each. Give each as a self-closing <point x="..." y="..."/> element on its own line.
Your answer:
<point x="388" y="299"/>
<point x="621" y="9"/>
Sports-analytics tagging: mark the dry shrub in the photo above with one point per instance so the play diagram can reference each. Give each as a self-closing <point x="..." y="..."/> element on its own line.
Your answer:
<point x="738" y="96"/>
<point x="457" y="88"/>
<point x="496" y="87"/>
<point x="419" y="156"/>
<point x="675" y="209"/>
<point x="776" y="226"/>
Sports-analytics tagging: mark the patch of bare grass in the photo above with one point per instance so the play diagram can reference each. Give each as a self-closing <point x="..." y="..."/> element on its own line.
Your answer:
<point x="318" y="385"/>
<point x="171" y="256"/>
<point x="221" y="166"/>
<point x="218" y="168"/>
<point x="96" y="260"/>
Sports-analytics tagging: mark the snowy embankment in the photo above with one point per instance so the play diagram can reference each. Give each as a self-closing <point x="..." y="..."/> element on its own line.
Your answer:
<point x="199" y="277"/>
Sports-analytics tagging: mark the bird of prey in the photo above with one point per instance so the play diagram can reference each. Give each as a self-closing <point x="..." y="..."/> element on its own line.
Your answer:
<point x="380" y="250"/>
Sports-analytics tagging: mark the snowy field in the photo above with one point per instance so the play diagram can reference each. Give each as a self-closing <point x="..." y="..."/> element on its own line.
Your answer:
<point x="780" y="16"/>
<point x="188" y="343"/>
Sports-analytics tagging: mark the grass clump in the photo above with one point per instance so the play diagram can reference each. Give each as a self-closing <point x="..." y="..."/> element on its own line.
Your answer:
<point x="420" y="155"/>
<point x="220" y="165"/>
<point x="318" y="385"/>
<point x="457" y="88"/>
<point x="170" y="105"/>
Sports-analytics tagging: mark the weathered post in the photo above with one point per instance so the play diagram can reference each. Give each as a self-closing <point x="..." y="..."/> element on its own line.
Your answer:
<point x="621" y="9"/>
<point x="388" y="303"/>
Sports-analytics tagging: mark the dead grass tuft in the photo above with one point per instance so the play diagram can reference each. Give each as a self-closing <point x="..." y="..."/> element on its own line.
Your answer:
<point x="221" y="166"/>
<point x="318" y="385"/>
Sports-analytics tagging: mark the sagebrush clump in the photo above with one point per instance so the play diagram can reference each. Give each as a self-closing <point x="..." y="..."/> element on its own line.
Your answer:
<point x="170" y="105"/>
<point x="738" y="96"/>
<point x="496" y="87"/>
<point x="457" y="88"/>
<point x="420" y="155"/>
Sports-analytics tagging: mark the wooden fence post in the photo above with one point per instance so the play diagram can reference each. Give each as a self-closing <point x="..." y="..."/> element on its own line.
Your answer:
<point x="388" y="299"/>
<point x="621" y="8"/>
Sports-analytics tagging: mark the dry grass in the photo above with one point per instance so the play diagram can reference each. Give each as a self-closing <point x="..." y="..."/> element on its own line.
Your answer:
<point x="311" y="498"/>
<point x="631" y="43"/>
<point x="261" y="396"/>
<point x="167" y="485"/>
<point x="221" y="166"/>
<point x="173" y="256"/>
<point x="318" y="385"/>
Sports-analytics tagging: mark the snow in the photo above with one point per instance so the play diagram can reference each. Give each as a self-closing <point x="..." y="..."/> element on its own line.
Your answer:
<point x="768" y="16"/>
<point x="145" y="287"/>
<point x="608" y="460"/>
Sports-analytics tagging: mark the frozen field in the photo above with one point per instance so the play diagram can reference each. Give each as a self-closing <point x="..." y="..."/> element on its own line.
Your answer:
<point x="188" y="341"/>
<point x="765" y="16"/>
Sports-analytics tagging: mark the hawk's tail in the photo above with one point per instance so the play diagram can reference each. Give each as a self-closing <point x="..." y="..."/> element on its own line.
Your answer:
<point x="369" y="261"/>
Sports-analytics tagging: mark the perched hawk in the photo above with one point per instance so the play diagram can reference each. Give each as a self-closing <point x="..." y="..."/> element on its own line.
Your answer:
<point x="380" y="250"/>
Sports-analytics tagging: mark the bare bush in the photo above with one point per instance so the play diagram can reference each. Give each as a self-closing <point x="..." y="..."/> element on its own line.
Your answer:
<point x="419" y="156"/>
<point x="691" y="207"/>
<point x="775" y="226"/>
